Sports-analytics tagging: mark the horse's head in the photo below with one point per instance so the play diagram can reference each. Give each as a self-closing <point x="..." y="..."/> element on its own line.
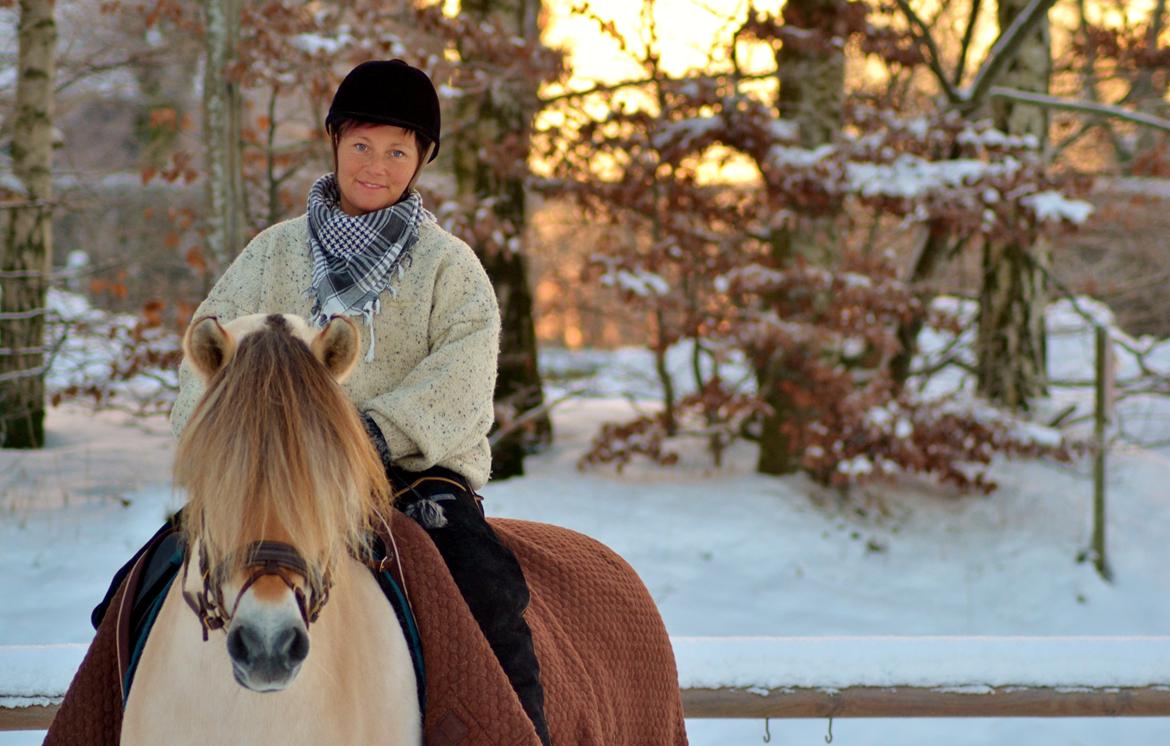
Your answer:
<point x="281" y="481"/>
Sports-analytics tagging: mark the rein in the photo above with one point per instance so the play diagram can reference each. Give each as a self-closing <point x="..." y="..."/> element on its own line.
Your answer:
<point x="268" y="558"/>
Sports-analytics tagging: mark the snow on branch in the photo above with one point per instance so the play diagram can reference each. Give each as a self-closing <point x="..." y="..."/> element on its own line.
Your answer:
<point x="1088" y="107"/>
<point x="1004" y="50"/>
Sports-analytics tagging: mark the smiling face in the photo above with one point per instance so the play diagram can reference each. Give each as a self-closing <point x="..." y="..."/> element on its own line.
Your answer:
<point x="375" y="165"/>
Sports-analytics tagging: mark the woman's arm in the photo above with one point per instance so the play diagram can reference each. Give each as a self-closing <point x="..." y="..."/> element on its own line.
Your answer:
<point x="443" y="407"/>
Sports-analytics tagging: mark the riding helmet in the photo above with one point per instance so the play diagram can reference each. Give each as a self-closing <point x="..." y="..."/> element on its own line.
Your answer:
<point x="388" y="92"/>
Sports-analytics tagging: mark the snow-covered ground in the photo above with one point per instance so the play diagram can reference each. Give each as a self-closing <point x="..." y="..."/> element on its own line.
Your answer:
<point x="724" y="552"/>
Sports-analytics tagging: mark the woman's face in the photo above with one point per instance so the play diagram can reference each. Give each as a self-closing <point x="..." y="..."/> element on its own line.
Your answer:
<point x="375" y="163"/>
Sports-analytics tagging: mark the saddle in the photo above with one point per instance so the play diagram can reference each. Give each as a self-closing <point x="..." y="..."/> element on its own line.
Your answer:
<point x="607" y="666"/>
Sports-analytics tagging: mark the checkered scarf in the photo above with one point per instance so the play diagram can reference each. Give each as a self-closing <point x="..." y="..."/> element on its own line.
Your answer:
<point x="355" y="258"/>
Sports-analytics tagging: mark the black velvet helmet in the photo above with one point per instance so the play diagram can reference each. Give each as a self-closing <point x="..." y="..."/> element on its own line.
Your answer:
<point x="388" y="92"/>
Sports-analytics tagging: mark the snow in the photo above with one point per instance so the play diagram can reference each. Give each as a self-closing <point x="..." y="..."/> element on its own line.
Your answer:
<point x="1148" y="187"/>
<point x="783" y="129"/>
<point x="1054" y="206"/>
<point x="787" y="156"/>
<point x="37" y="674"/>
<point x="909" y="175"/>
<point x="639" y="282"/>
<point x="685" y="132"/>
<point x="316" y="44"/>
<point x="727" y="552"/>
<point x="768" y="663"/>
<point x="993" y="138"/>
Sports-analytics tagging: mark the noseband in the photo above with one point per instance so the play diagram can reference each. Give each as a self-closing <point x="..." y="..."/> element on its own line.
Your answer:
<point x="267" y="558"/>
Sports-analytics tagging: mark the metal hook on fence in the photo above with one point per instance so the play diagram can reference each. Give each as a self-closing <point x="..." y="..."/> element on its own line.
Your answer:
<point x="829" y="738"/>
<point x="767" y="732"/>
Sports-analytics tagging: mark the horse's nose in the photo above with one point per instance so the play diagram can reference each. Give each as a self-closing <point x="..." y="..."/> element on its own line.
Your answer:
<point x="266" y="659"/>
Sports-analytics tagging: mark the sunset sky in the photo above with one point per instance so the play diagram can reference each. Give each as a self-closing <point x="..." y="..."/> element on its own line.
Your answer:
<point x="688" y="28"/>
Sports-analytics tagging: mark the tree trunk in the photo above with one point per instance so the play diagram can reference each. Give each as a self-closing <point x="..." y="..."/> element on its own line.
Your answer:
<point x="503" y="113"/>
<point x="812" y="91"/>
<point x="1010" y="341"/>
<point x="28" y="248"/>
<point x="932" y="254"/>
<point x="223" y="146"/>
<point x="1149" y="146"/>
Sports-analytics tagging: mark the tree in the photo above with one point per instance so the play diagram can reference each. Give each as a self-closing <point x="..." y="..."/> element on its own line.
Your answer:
<point x="779" y="276"/>
<point x="28" y="248"/>
<point x="810" y="66"/>
<point x="1011" y="341"/>
<point x="490" y="151"/>
<point x="223" y="145"/>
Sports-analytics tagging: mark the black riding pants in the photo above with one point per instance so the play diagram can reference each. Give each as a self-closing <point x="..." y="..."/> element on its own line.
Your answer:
<point x="487" y="574"/>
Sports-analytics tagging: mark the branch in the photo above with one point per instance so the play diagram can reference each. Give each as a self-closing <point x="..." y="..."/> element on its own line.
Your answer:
<point x="611" y="87"/>
<point x="530" y="415"/>
<point x="930" y="370"/>
<point x="132" y="59"/>
<point x="1004" y="51"/>
<point x="922" y="34"/>
<point x="1089" y="107"/>
<point x="967" y="35"/>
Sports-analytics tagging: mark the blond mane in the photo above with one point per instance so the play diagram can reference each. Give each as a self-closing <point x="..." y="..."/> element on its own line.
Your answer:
<point x="276" y="451"/>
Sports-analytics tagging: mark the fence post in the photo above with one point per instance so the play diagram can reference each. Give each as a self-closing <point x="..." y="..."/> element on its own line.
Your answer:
<point x="1101" y="417"/>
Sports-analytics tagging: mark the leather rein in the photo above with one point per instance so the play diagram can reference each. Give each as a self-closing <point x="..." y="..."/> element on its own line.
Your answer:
<point x="265" y="558"/>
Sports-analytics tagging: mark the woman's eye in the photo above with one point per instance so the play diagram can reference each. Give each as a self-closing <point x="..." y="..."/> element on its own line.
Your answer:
<point x="397" y="153"/>
<point x="360" y="147"/>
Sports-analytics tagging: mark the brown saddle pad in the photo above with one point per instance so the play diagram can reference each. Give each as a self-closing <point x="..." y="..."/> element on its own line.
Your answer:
<point x="606" y="663"/>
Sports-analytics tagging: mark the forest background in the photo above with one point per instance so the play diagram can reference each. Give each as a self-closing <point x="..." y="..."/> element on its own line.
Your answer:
<point x="791" y="192"/>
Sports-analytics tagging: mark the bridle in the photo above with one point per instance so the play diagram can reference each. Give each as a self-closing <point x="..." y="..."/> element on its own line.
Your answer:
<point x="267" y="558"/>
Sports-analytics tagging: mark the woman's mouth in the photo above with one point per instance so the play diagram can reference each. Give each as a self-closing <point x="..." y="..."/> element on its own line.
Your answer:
<point x="368" y="185"/>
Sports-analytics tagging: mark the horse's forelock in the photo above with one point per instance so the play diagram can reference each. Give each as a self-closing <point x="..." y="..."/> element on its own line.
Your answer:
<point x="274" y="445"/>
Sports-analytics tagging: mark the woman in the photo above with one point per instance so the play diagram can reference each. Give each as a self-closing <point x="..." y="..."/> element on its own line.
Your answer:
<point x="367" y="248"/>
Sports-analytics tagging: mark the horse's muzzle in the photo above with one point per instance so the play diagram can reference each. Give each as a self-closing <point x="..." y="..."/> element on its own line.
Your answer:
<point x="266" y="658"/>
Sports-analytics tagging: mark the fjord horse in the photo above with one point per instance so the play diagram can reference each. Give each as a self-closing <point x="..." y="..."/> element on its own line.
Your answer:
<point x="283" y="491"/>
<point x="283" y="486"/>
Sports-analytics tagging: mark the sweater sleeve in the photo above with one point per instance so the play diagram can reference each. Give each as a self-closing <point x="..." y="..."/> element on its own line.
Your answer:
<point x="235" y="294"/>
<point x="444" y="404"/>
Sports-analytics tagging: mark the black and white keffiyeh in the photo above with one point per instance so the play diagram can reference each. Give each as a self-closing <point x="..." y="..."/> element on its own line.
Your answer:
<point x="356" y="258"/>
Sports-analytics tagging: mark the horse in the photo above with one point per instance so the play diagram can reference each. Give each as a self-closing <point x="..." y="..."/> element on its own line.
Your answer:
<point x="284" y="492"/>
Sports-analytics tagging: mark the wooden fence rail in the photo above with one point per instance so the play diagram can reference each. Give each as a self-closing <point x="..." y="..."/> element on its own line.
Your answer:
<point x="812" y="677"/>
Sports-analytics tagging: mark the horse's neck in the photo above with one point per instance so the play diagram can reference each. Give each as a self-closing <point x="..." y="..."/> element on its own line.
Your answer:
<point x="356" y="686"/>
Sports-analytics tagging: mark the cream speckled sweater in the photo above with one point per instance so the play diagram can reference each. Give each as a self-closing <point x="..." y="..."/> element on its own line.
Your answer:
<point x="430" y="384"/>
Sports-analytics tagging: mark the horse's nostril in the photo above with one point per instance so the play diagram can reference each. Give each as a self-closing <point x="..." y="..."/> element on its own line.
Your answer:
<point x="294" y="644"/>
<point x="242" y="644"/>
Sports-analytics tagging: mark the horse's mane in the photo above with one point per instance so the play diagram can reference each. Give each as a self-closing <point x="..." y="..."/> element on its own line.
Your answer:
<point x="275" y="450"/>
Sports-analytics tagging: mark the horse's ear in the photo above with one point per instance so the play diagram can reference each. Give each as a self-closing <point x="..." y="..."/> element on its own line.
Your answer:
<point x="337" y="347"/>
<point x="208" y="346"/>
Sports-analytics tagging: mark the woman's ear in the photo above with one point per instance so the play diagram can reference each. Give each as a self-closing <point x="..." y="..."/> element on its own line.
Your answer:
<point x="208" y="346"/>
<point x="337" y="347"/>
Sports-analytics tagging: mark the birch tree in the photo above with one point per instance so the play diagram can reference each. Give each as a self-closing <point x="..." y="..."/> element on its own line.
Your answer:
<point x="28" y="246"/>
<point x="223" y="144"/>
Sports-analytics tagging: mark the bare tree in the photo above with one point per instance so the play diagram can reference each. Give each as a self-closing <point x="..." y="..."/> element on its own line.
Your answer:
<point x="223" y="145"/>
<point x="28" y="248"/>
